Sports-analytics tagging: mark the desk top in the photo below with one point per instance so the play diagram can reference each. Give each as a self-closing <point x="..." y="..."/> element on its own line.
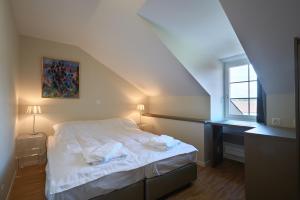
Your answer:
<point x="258" y="129"/>
<point x="288" y="133"/>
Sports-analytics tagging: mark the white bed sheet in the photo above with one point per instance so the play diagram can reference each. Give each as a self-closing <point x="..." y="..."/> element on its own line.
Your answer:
<point x="109" y="183"/>
<point x="100" y="186"/>
<point x="67" y="169"/>
<point x="164" y="166"/>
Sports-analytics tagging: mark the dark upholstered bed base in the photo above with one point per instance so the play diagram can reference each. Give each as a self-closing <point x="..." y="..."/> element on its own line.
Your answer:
<point x="132" y="192"/>
<point x="159" y="186"/>
<point x="156" y="187"/>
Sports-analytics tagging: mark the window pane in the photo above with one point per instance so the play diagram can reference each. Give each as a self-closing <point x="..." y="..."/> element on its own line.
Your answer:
<point x="238" y="90"/>
<point x="253" y="89"/>
<point x="238" y="106"/>
<point x="253" y="75"/>
<point x="253" y="107"/>
<point x="239" y="73"/>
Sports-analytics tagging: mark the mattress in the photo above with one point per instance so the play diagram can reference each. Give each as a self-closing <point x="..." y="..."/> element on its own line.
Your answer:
<point x="119" y="180"/>
<point x="100" y="186"/>
<point x="69" y="177"/>
<point x="164" y="166"/>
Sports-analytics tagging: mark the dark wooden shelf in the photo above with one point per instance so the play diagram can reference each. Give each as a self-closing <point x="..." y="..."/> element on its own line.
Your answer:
<point x="187" y="119"/>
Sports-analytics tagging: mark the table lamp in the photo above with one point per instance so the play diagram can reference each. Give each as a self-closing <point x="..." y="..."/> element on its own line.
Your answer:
<point x="141" y="108"/>
<point x="34" y="110"/>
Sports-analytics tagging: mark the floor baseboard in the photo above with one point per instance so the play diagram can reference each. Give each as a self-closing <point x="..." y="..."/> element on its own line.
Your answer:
<point x="11" y="185"/>
<point x="203" y="163"/>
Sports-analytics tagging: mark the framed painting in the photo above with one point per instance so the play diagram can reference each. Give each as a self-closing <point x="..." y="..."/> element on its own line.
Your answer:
<point x="60" y="78"/>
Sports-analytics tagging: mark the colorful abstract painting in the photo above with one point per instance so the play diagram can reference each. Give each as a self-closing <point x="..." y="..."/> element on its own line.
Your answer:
<point x="60" y="78"/>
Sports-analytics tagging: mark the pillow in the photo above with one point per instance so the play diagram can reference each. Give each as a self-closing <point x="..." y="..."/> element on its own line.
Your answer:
<point x="59" y="126"/>
<point x="114" y="122"/>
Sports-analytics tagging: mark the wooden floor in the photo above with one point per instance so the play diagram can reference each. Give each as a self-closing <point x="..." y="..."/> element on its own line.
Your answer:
<point x="225" y="182"/>
<point x="29" y="184"/>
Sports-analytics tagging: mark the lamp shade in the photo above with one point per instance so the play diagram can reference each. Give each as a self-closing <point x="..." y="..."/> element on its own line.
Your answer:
<point x="34" y="110"/>
<point x="140" y="107"/>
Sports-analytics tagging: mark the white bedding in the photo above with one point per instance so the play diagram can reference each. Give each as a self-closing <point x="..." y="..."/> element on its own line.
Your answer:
<point x="95" y="153"/>
<point x="122" y="179"/>
<point x="67" y="169"/>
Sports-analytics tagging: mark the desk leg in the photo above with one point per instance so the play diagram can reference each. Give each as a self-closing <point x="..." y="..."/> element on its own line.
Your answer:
<point x="217" y="145"/>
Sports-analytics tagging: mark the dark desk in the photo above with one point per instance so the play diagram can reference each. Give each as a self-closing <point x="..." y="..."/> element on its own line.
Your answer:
<point x="270" y="163"/>
<point x="217" y="128"/>
<point x="262" y="130"/>
<point x="235" y="123"/>
<point x="244" y="127"/>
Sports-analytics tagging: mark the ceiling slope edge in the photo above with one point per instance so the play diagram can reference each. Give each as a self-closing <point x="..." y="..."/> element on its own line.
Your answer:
<point x="266" y="30"/>
<point x="166" y="39"/>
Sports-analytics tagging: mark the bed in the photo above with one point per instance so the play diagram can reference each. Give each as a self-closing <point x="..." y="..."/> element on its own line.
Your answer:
<point x="141" y="175"/>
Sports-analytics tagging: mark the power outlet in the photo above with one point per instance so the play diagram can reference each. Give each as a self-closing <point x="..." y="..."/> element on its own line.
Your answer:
<point x="276" y="121"/>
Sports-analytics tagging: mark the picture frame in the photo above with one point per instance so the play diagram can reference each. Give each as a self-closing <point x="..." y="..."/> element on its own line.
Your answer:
<point x="60" y="78"/>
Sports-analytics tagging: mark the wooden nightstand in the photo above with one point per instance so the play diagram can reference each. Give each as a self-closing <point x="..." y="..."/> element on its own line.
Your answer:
<point x="145" y="127"/>
<point x="31" y="149"/>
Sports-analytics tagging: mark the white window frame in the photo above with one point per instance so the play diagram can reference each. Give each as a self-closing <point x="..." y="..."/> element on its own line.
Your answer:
<point x="228" y="63"/>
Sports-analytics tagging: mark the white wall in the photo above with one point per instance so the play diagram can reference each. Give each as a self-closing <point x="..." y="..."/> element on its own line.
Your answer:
<point x="281" y="106"/>
<point x="103" y="94"/>
<point x="266" y="30"/>
<point x="268" y="39"/>
<point x="183" y="106"/>
<point x="208" y="72"/>
<point x="113" y="33"/>
<point x="8" y="74"/>
<point x="199" y="34"/>
<point x="189" y="132"/>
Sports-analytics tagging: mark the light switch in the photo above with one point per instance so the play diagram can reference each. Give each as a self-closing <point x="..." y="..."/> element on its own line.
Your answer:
<point x="98" y="102"/>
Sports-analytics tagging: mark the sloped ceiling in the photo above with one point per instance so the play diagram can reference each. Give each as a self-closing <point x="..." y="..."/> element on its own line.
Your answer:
<point x="113" y="33"/>
<point x="198" y="33"/>
<point x="201" y="23"/>
<point x="266" y="30"/>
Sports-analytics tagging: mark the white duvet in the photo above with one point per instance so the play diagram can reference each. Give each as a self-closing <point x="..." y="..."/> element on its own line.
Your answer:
<point x="67" y="169"/>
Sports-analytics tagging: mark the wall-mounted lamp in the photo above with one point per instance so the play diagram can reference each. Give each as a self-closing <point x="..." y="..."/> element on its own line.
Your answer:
<point x="141" y="108"/>
<point x="34" y="110"/>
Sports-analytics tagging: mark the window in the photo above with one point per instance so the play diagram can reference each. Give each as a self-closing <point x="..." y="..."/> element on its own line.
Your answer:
<point x="240" y="90"/>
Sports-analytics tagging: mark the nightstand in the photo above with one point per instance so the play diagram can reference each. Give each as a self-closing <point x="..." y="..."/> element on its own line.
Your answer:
<point x="145" y="127"/>
<point x="31" y="149"/>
